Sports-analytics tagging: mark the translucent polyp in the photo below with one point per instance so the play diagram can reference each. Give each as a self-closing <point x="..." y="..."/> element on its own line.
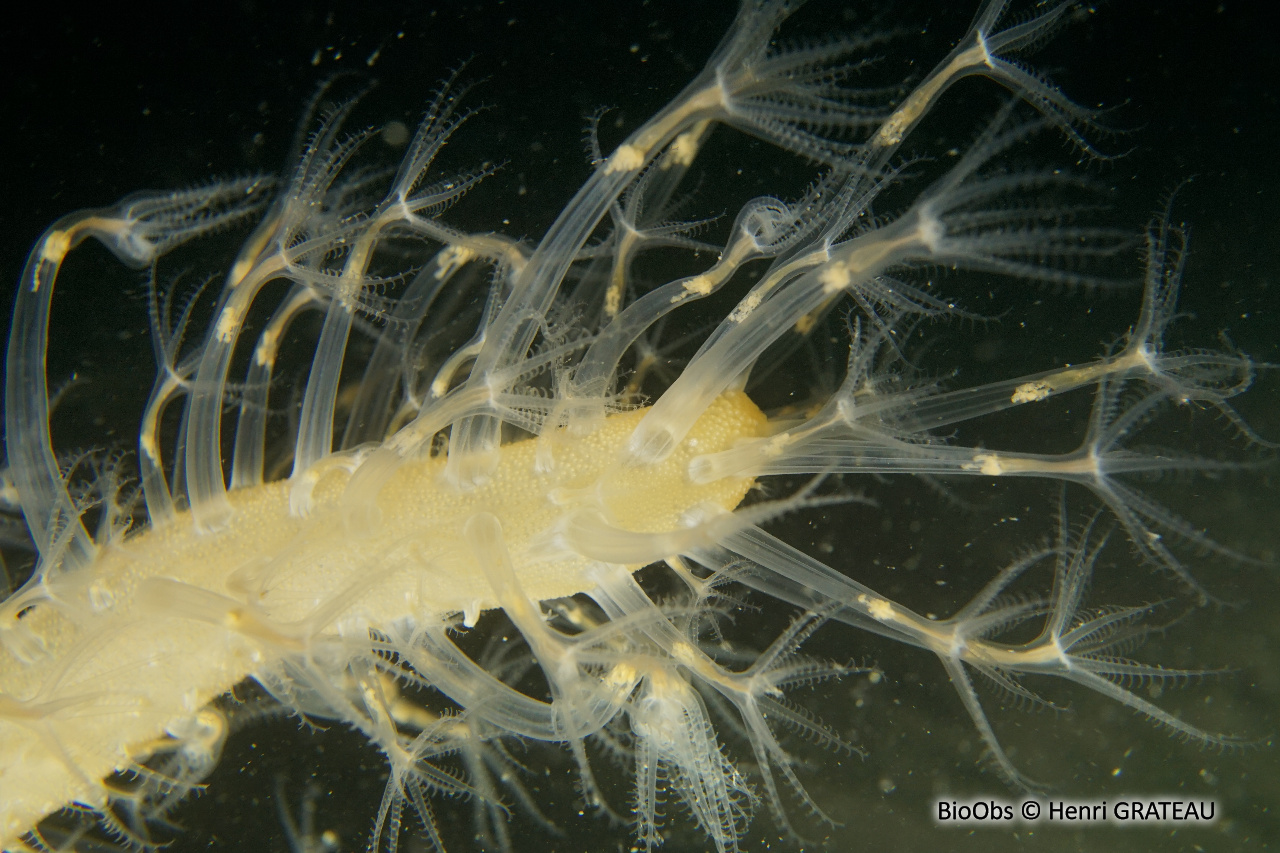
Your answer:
<point x="171" y="618"/>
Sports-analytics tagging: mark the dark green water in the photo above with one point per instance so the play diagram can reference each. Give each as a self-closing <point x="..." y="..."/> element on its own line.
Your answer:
<point x="107" y="103"/>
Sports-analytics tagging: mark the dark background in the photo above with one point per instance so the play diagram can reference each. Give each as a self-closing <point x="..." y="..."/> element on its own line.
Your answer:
<point x="102" y="101"/>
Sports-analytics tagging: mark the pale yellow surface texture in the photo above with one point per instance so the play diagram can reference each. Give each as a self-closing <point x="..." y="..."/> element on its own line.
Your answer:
<point x="171" y="618"/>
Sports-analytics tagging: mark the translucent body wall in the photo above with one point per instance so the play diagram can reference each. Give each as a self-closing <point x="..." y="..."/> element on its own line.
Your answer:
<point x="791" y="448"/>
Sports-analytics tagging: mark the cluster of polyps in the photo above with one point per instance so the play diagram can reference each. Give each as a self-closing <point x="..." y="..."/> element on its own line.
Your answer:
<point x="471" y="442"/>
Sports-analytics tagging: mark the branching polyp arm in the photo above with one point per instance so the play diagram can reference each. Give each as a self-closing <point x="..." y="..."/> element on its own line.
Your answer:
<point x="137" y="230"/>
<point x="978" y="54"/>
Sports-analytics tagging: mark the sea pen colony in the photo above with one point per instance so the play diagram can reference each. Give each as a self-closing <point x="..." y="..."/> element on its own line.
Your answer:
<point x="437" y="533"/>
